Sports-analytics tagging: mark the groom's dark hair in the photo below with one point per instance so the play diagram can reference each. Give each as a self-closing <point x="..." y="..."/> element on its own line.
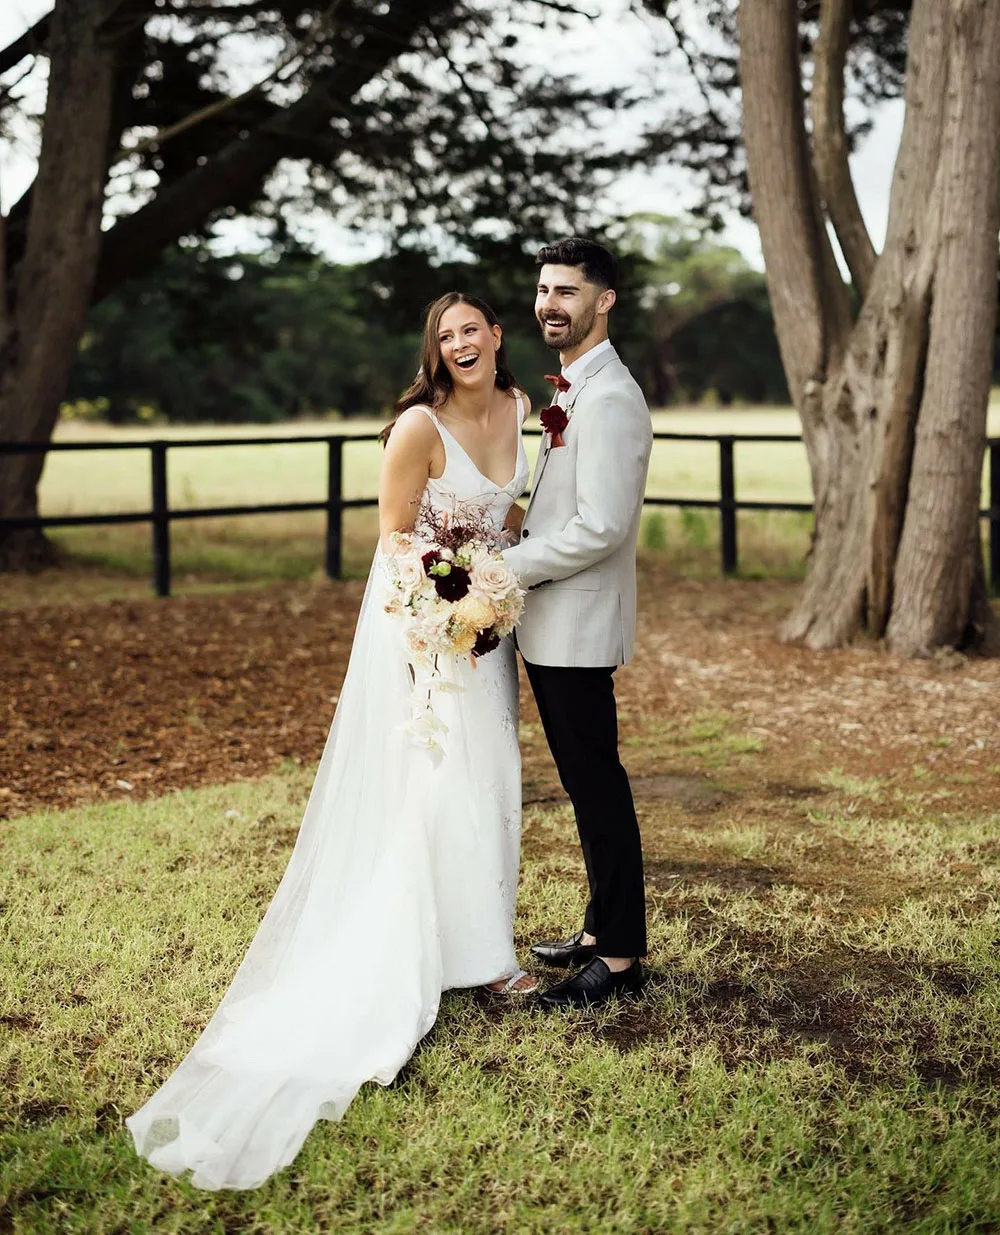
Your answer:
<point x="600" y="266"/>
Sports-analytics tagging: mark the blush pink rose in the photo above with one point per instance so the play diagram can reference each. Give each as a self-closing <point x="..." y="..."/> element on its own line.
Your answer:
<point x="494" y="578"/>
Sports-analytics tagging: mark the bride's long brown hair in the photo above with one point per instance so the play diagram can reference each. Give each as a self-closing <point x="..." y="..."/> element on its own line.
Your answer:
<point x="433" y="383"/>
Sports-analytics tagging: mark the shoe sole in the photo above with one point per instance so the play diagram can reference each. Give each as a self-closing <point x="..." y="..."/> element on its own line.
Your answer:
<point x="554" y="964"/>
<point x="629" y="995"/>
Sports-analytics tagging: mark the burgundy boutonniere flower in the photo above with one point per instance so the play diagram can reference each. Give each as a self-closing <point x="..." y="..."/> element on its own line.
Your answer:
<point x="554" y="420"/>
<point x="558" y="381"/>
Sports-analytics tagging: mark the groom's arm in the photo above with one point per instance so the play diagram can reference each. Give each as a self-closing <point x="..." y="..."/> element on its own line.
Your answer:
<point x="613" y="448"/>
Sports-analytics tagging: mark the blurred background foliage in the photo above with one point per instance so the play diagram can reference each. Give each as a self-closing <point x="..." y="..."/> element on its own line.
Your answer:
<point x="285" y="334"/>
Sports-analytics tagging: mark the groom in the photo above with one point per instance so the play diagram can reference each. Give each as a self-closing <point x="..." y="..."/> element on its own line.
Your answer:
<point x="577" y="560"/>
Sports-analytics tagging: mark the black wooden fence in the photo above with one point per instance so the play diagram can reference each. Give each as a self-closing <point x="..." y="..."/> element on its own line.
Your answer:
<point x="161" y="515"/>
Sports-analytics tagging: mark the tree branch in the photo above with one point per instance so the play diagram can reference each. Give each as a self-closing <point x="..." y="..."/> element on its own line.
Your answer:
<point x="810" y="309"/>
<point x="569" y="10"/>
<point x="320" y="26"/>
<point x="31" y="43"/>
<point x="830" y="153"/>
<point x="239" y="169"/>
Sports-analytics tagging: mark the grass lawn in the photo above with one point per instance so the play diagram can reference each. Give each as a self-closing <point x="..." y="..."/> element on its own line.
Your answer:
<point x="819" y="1050"/>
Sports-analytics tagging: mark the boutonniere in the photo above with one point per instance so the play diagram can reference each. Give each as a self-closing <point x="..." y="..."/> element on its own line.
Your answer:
<point x="555" y="418"/>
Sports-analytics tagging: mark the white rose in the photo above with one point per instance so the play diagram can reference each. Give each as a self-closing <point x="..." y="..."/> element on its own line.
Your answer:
<point x="409" y="572"/>
<point x="494" y="578"/>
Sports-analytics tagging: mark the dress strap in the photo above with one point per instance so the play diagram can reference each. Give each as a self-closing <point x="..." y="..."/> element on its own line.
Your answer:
<point x="520" y="406"/>
<point x="432" y="417"/>
<point x="422" y="407"/>
<point x="443" y="433"/>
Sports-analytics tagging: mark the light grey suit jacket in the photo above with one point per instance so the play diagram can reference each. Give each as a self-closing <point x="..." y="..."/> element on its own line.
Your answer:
<point x="577" y="550"/>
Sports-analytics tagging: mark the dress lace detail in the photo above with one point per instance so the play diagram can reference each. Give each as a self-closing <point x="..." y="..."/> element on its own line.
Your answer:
<point x="401" y="885"/>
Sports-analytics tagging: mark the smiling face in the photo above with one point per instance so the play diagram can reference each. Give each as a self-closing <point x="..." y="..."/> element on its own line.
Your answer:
<point x="468" y="346"/>
<point x="572" y="312"/>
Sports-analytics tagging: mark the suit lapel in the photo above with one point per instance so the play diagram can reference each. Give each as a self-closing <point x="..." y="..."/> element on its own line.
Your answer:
<point x="595" y="366"/>
<point x="571" y="396"/>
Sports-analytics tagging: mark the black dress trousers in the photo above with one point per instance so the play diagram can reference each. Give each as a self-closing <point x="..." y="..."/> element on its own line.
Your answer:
<point x="578" y="712"/>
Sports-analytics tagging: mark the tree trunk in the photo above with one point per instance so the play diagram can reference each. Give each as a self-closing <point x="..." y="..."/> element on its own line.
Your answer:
<point x="940" y="547"/>
<point x="55" y="277"/>
<point x="893" y="405"/>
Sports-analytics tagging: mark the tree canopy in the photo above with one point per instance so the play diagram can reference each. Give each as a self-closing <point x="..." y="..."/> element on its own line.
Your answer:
<point x="267" y="337"/>
<point x="420" y="118"/>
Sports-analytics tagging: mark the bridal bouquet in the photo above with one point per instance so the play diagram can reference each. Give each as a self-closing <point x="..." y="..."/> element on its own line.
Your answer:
<point x="455" y="594"/>
<point x="456" y="598"/>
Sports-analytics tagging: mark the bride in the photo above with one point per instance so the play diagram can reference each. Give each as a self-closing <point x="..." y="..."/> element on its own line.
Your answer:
<point x="402" y="881"/>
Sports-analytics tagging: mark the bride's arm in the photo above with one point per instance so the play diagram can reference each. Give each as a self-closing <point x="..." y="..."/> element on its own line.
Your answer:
<point x="515" y="516"/>
<point x="512" y="524"/>
<point x="408" y="461"/>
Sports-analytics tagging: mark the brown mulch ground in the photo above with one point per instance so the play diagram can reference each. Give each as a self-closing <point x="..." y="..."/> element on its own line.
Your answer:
<point x="101" y="701"/>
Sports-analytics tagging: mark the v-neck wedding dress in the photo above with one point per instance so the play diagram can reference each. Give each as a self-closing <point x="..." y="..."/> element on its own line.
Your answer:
<point x="401" y="885"/>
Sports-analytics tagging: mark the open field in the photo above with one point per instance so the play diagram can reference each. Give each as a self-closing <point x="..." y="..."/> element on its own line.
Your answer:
<point x="819" y="1050"/>
<point x="213" y="553"/>
<point x="75" y="483"/>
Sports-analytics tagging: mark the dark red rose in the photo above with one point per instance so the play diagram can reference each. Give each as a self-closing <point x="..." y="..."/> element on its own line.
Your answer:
<point x="454" y="585"/>
<point x="431" y="559"/>
<point x="486" y="641"/>
<point x="554" y="420"/>
<point x="558" y="381"/>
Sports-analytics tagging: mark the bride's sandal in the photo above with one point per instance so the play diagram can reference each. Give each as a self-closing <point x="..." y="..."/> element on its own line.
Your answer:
<point x="519" y="983"/>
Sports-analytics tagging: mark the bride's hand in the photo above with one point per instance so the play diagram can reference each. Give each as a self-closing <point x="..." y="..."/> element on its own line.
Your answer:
<point x="512" y="524"/>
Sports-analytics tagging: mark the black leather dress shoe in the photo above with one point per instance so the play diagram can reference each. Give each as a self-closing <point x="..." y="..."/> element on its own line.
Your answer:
<point x="567" y="954"/>
<point x="593" y="985"/>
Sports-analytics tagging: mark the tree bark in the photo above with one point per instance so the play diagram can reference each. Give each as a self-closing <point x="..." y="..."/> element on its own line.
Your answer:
<point x="830" y="143"/>
<point x="54" y="279"/>
<point x="895" y="506"/>
<point x="940" y="545"/>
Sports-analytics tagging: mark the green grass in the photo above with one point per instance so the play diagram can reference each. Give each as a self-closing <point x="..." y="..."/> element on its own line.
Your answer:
<point x="818" y="1051"/>
<point x="706" y="740"/>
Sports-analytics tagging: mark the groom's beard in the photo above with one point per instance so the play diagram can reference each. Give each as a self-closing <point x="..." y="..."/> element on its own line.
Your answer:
<point x="574" y="335"/>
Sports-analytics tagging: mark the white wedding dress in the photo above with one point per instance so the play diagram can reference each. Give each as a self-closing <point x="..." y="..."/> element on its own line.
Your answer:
<point x="401" y="885"/>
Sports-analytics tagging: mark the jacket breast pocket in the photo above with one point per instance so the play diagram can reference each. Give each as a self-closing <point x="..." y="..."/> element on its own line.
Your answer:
<point x="560" y="458"/>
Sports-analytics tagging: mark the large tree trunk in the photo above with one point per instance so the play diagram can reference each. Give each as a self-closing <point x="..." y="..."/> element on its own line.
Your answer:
<point x="939" y="550"/>
<point x="55" y="277"/>
<point x="893" y="406"/>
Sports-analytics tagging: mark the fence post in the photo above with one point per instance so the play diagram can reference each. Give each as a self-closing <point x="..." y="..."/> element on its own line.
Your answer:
<point x="995" y="514"/>
<point x="727" y="504"/>
<point x="161" y="519"/>
<point x="334" y="507"/>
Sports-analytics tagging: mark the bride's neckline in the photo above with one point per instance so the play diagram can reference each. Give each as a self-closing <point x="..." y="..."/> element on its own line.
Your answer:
<point x="518" y="405"/>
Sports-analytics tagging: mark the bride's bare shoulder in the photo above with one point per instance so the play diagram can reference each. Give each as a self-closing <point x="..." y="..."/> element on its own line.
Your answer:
<point x="412" y="429"/>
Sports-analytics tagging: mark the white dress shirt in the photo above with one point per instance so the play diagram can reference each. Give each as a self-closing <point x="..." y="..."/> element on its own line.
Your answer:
<point x="572" y="371"/>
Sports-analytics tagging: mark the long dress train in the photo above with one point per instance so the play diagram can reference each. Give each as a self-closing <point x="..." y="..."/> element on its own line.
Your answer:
<point x="401" y="885"/>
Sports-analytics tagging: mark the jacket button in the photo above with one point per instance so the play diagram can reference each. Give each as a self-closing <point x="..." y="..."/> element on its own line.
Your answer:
<point x="525" y="534"/>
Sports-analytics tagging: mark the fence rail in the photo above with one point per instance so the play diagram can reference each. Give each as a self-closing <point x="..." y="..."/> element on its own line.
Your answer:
<point x="161" y="515"/>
